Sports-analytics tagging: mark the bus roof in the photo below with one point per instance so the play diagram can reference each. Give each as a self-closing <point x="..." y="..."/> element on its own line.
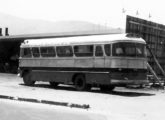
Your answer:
<point x="82" y="40"/>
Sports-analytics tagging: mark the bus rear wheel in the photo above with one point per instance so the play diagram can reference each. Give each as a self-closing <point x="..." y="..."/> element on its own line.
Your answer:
<point x="54" y="84"/>
<point x="27" y="79"/>
<point x="80" y="83"/>
<point x="106" y="88"/>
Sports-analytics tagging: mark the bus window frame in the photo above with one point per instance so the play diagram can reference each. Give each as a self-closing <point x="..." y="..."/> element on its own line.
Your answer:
<point x="103" y="52"/>
<point x="109" y="49"/>
<point x="143" y="48"/>
<point x="69" y="56"/>
<point x="38" y="50"/>
<point x="126" y="54"/>
<point x="22" y="55"/>
<point x="52" y="55"/>
<point x="93" y="51"/>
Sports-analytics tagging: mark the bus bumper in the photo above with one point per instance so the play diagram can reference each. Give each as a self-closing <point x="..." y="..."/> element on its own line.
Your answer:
<point x="128" y="82"/>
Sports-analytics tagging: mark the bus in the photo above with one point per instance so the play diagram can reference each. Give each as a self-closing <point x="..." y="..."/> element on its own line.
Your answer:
<point x="103" y="61"/>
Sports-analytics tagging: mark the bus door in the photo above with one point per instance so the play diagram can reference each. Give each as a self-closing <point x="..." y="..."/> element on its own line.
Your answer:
<point x="99" y="57"/>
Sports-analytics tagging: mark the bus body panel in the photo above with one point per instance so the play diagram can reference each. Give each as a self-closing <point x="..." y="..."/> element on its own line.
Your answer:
<point x="106" y="62"/>
<point x="47" y="76"/>
<point x="84" y="62"/>
<point x="66" y="77"/>
<point x="63" y="62"/>
<point x="99" y="62"/>
<point x="118" y="63"/>
<point x="135" y="63"/>
<point x="98" y="78"/>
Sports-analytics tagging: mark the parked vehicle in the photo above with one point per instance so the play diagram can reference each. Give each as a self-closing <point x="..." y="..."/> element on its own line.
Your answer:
<point x="105" y="61"/>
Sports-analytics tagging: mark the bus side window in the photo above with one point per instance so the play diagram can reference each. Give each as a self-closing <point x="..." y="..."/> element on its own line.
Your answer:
<point x="140" y="50"/>
<point x="83" y="50"/>
<point x="98" y="51"/>
<point x="26" y="52"/>
<point x="118" y="49"/>
<point x="64" y="51"/>
<point x="48" y="52"/>
<point x="35" y="52"/>
<point x="107" y="49"/>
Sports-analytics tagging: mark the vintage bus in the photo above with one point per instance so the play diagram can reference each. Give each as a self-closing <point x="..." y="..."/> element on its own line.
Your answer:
<point x="104" y="61"/>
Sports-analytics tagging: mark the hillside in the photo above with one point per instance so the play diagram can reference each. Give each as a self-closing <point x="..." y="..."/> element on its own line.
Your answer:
<point x="19" y="26"/>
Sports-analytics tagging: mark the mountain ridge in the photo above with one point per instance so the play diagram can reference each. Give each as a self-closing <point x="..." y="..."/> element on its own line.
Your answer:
<point x="19" y="26"/>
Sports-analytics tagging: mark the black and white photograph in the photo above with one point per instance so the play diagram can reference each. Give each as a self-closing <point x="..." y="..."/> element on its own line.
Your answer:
<point x="82" y="60"/>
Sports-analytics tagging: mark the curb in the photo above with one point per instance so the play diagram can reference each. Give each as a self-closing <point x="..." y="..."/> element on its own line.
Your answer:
<point x="66" y="104"/>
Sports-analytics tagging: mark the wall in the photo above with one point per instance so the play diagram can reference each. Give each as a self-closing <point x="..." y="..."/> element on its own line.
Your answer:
<point x="154" y="35"/>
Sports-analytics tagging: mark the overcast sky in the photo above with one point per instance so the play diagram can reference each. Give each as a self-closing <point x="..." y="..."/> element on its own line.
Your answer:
<point x="104" y="12"/>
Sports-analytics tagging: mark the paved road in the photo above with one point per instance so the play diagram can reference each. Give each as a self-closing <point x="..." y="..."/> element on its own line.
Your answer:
<point x="125" y="104"/>
<point x="11" y="85"/>
<point x="14" y="110"/>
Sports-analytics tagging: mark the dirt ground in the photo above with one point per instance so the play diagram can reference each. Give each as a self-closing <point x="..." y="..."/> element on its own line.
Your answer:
<point x="122" y="103"/>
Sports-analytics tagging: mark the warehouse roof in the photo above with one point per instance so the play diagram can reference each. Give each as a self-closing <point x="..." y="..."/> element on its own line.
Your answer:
<point x="47" y="35"/>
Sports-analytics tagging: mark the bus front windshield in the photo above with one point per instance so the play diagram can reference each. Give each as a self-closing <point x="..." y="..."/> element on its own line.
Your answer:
<point x="129" y="49"/>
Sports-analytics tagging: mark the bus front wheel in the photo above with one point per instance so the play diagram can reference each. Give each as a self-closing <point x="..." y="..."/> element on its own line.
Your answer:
<point x="27" y="79"/>
<point x="80" y="83"/>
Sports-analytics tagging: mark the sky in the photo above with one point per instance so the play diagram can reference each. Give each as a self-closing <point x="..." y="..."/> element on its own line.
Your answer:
<point x="103" y="12"/>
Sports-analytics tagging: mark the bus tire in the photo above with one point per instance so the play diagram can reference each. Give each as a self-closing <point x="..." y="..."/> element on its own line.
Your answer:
<point x="80" y="83"/>
<point x="27" y="79"/>
<point x="106" y="88"/>
<point x="53" y="84"/>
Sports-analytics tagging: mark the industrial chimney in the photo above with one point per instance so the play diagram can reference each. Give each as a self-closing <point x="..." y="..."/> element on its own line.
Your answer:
<point x="0" y="31"/>
<point x="6" y="32"/>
